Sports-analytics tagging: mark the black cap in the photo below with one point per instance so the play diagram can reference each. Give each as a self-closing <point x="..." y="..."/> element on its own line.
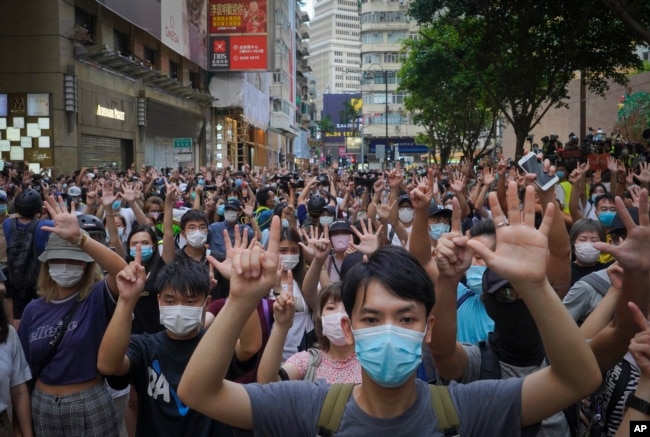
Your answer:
<point x="232" y="204"/>
<point x="493" y="282"/>
<point x="403" y="198"/>
<point x="617" y="223"/>
<point x="340" y="225"/>
<point x="438" y="210"/>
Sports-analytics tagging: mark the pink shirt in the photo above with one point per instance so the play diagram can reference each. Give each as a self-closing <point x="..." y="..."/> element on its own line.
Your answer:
<point x="332" y="371"/>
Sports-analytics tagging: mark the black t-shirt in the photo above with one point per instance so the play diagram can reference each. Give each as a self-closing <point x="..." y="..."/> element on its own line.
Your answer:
<point x="146" y="316"/>
<point x="577" y="272"/>
<point x="157" y="363"/>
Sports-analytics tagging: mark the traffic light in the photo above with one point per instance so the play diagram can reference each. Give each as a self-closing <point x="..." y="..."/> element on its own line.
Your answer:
<point x="353" y="159"/>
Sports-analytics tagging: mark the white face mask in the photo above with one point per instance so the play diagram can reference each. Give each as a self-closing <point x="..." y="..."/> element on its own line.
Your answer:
<point x="325" y="220"/>
<point x="197" y="238"/>
<point x="406" y="215"/>
<point x="66" y="275"/>
<point x="332" y="328"/>
<point x="586" y="252"/>
<point x="289" y="261"/>
<point x="230" y="216"/>
<point x="181" y="319"/>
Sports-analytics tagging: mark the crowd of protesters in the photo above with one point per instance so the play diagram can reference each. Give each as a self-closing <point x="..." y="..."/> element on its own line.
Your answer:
<point x="179" y="301"/>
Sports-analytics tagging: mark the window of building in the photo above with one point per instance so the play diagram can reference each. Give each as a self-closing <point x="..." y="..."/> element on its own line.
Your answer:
<point x="173" y="69"/>
<point x="121" y="43"/>
<point x="84" y="25"/>
<point x="150" y="55"/>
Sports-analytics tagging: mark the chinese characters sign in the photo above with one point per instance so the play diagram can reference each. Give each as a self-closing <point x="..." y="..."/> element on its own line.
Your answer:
<point x="238" y="35"/>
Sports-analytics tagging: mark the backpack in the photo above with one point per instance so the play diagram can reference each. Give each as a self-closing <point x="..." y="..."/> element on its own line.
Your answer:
<point x="22" y="259"/>
<point x="337" y="397"/>
<point x="312" y="364"/>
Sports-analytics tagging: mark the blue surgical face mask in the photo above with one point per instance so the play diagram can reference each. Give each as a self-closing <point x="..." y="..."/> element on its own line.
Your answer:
<point x="606" y="218"/>
<point x="193" y="195"/>
<point x="201" y="182"/>
<point x="560" y="174"/>
<point x="285" y="223"/>
<point x="474" y="277"/>
<point x="238" y="182"/>
<point x="594" y="196"/>
<point x="117" y="204"/>
<point x="147" y="253"/>
<point x="220" y="209"/>
<point x="388" y="354"/>
<point x="437" y="229"/>
<point x="3" y="209"/>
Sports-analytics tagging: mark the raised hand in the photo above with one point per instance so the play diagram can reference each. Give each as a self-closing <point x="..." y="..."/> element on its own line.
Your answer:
<point x="232" y="250"/>
<point x="488" y="175"/>
<point x="632" y="253"/>
<point x="521" y="250"/>
<point x="368" y="241"/>
<point x="255" y="270"/>
<point x="128" y="192"/>
<point x="453" y="257"/>
<point x="457" y="182"/>
<point x="131" y="279"/>
<point x="318" y="245"/>
<point x="283" y="307"/>
<point x="66" y="224"/>
<point x="644" y="173"/>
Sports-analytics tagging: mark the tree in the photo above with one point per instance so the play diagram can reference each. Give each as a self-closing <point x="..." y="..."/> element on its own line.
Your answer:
<point x="525" y="53"/>
<point x="446" y="100"/>
<point x="350" y="115"/>
<point x="635" y="14"/>
<point x="634" y="116"/>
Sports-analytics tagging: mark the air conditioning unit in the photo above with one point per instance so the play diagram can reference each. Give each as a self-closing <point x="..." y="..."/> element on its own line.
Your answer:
<point x="403" y="2"/>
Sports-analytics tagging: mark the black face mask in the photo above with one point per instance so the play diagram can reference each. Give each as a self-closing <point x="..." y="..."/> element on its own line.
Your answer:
<point x="516" y="339"/>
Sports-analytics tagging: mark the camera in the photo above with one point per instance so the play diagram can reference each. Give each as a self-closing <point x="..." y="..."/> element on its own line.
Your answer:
<point x="323" y="179"/>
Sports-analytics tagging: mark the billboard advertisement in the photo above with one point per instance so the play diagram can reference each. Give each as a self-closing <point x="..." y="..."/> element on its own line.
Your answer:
<point x="181" y="25"/>
<point x="238" y="35"/>
<point x="334" y="108"/>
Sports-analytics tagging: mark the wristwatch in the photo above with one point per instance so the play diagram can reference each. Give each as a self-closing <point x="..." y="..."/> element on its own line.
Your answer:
<point x="638" y="404"/>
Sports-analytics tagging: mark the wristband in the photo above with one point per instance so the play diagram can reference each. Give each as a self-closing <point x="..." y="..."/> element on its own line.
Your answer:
<point x="82" y="239"/>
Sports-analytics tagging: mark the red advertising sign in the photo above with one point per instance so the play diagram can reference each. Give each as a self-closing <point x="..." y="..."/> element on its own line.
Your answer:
<point x="238" y="52"/>
<point x="237" y="16"/>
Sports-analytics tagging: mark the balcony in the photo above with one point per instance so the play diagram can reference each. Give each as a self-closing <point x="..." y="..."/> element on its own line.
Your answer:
<point x="134" y="68"/>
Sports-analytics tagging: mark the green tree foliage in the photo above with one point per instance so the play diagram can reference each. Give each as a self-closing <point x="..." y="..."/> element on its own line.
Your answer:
<point x="635" y="14"/>
<point x="326" y="125"/>
<point x="445" y="98"/>
<point x="634" y="117"/>
<point x="525" y="53"/>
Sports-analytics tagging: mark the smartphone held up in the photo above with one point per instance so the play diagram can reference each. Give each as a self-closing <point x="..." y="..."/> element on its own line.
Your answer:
<point x="531" y="164"/>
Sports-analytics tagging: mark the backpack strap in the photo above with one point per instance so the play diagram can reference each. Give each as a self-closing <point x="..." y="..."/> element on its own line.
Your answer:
<point x="463" y="298"/>
<point x="446" y="415"/>
<point x="312" y="365"/>
<point x="599" y="281"/>
<point x="332" y="410"/>
<point x="490" y="365"/>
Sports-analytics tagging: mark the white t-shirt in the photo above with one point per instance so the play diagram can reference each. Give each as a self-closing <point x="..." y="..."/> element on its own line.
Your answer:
<point x="14" y="369"/>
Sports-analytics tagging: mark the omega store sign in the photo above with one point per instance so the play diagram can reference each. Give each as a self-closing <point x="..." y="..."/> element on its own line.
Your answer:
<point x="112" y="111"/>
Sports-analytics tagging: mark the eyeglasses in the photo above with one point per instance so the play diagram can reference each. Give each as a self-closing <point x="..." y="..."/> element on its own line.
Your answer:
<point x="506" y="295"/>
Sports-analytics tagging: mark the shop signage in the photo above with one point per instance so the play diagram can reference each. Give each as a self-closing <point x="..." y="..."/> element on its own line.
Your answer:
<point x="113" y="113"/>
<point x="182" y="143"/>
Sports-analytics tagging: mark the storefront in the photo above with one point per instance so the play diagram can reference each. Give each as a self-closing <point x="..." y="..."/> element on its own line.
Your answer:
<point x="165" y="126"/>
<point x="107" y="127"/>
<point x="26" y="130"/>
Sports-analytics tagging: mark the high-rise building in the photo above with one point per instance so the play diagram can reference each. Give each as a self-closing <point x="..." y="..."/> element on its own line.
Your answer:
<point x="389" y="132"/>
<point x="335" y="47"/>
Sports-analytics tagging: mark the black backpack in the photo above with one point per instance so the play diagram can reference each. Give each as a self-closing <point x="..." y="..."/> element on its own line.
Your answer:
<point x="22" y="259"/>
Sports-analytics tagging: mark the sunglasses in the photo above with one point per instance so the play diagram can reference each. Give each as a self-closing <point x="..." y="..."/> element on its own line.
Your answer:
<point x="506" y="295"/>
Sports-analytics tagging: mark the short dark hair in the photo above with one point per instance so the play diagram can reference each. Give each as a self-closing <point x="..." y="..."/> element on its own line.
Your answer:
<point x="188" y="277"/>
<point x="397" y="270"/>
<point x="586" y="225"/>
<point x="606" y="196"/>
<point x="193" y="215"/>
<point x="262" y="195"/>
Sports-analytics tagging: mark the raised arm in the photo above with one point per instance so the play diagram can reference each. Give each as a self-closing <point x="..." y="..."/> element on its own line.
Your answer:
<point x="131" y="193"/>
<point x="320" y="246"/>
<point x="255" y="271"/>
<point x="452" y="259"/>
<point x="112" y="358"/>
<point x="169" y="247"/>
<point x="67" y="227"/>
<point x="609" y="345"/>
<point x="520" y="258"/>
<point x="283" y="313"/>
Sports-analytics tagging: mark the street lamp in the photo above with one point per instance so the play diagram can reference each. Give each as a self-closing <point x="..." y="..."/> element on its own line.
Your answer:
<point x="370" y="76"/>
